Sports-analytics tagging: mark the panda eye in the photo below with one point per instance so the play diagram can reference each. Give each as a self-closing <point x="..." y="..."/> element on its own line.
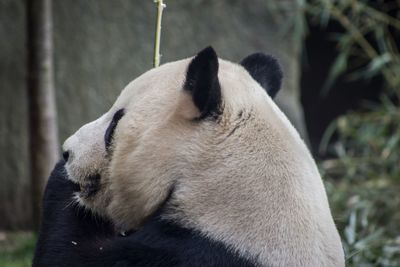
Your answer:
<point x="108" y="136"/>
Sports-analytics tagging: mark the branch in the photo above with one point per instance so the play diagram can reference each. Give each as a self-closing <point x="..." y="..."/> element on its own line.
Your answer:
<point x="160" y="8"/>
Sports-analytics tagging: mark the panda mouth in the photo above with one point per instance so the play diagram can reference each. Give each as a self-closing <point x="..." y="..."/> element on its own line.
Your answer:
<point x="90" y="187"/>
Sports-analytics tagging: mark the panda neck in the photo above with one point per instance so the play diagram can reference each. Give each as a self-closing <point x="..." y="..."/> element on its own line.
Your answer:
<point x="250" y="199"/>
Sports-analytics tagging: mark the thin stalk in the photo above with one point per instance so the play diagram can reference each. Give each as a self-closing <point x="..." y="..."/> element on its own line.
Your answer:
<point x="157" y="56"/>
<point x="385" y="18"/>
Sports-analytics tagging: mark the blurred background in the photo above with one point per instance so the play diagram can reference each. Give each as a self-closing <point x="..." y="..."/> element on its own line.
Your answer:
<point x="63" y="63"/>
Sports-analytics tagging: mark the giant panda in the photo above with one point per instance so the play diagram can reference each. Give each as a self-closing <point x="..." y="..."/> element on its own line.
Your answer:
<point x="197" y="165"/>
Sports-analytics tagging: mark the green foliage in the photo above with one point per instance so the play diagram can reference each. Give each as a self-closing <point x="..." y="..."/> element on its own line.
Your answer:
<point x="363" y="184"/>
<point x="367" y="45"/>
<point x="16" y="250"/>
<point x="363" y="180"/>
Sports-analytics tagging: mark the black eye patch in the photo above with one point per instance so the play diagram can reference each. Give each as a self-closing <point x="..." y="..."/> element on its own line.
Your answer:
<point x="108" y="136"/>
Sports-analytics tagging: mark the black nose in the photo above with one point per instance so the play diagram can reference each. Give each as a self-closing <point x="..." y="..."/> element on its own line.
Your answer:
<point x="65" y="155"/>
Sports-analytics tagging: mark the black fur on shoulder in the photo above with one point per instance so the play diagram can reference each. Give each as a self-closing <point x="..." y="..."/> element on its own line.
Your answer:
<point x="65" y="225"/>
<point x="266" y="70"/>
<point x="202" y="82"/>
<point x="71" y="236"/>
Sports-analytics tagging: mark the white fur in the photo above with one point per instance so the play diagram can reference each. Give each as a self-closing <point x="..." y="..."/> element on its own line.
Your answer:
<point x="256" y="189"/>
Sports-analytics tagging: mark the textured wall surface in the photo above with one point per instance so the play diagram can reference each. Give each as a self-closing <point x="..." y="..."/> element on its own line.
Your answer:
<point x="101" y="45"/>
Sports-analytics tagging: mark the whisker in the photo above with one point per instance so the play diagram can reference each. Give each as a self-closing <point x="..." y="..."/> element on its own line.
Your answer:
<point x="71" y="202"/>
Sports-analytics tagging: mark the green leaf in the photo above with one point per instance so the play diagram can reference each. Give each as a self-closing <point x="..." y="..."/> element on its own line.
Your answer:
<point x="376" y="65"/>
<point x="338" y="68"/>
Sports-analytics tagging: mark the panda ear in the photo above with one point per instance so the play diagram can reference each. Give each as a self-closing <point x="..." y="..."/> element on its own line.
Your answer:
<point x="266" y="70"/>
<point x="202" y="82"/>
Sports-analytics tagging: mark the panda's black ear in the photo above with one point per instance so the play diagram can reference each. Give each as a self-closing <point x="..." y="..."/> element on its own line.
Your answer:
<point x="202" y="82"/>
<point x="266" y="70"/>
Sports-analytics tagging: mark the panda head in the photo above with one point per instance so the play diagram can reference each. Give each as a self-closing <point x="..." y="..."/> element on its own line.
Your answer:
<point x="170" y="121"/>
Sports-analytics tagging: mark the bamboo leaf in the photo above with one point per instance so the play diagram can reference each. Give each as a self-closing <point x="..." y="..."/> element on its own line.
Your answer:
<point x="338" y="67"/>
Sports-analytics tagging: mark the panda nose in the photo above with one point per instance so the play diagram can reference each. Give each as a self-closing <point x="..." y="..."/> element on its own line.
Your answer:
<point x="65" y="155"/>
